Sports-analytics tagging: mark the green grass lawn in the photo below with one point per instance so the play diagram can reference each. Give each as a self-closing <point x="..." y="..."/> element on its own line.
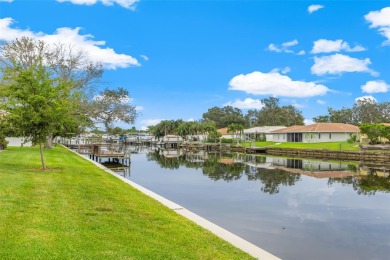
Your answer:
<point x="343" y="146"/>
<point x="76" y="210"/>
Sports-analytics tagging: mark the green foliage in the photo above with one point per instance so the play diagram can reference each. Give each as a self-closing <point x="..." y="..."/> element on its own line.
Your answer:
<point x="182" y="128"/>
<point x="224" y="116"/>
<point x="3" y="142"/>
<point x="36" y="104"/>
<point x="365" y="111"/>
<point x="227" y="140"/>
<point x="214" y="137"/>
<point x="111" y="106"/>
<point x="374" y="132"/>
<point x="385" y="132"/>
<point x="352" y="139"/>
<point x="65" y="66"/>
<point x="274" y="115"/>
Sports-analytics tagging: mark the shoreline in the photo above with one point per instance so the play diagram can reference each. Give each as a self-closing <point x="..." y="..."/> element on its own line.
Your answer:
<point x="226" y="235"/>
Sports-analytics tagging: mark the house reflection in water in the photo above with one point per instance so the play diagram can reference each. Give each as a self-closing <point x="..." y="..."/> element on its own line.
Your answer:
<point x="317" y="169"/>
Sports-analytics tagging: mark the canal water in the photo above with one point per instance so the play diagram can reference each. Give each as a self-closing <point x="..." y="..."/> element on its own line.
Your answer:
<point x="292" y="208"/>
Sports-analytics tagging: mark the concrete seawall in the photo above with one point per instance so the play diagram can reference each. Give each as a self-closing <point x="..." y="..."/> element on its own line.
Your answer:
<point x="378" y="157"/>
<point x="226" y="235"/>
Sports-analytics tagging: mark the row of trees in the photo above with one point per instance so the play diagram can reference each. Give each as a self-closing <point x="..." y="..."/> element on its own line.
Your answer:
<point x="48" y="90"/>
<point x="182" y="128"/>
<point x="364" y="111"/>
<point x="375" y="132"/>
<point x="272" y="114"/>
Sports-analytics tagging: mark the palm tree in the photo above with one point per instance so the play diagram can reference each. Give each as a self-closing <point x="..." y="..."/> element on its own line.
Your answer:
<point x="236" y="129"/>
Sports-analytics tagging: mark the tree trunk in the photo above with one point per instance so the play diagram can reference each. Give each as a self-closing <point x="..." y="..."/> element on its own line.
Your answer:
<point x="49" y="142"/>
<point x="42" y="159"/>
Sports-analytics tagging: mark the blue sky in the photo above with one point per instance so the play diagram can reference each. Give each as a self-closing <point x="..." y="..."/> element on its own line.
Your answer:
<point x="180" y="58"/>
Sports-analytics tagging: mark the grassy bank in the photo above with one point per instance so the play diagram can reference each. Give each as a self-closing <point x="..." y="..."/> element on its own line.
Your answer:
<point x="76" y="210"/>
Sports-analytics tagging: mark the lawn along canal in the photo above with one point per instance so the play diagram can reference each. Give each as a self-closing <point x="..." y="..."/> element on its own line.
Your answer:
<point x="294" y="209"/>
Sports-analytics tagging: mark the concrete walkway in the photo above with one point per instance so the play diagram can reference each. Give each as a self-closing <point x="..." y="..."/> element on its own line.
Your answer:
<point x="237" y="241"/>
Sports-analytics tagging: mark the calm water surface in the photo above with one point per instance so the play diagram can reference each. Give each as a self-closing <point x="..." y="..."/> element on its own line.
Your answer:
<point x="295" y="209"/>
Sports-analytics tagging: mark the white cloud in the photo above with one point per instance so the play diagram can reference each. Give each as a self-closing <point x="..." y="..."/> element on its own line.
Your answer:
<point x="297" y="105"/>
<point x="314" y="8"/>
<point x="284" y="70"/>
<point x="285" y="47"/>
<point x="129" y="4"/>
<point x="290" y="43"/>
<point x="139" y="108"/>
<point x="375" y="86"/>
<point x="327" y="46"/>
<point x="339" y="63"/>
<point x="149" y="122"/>
<point x="273" y="83"/>
<point x="190" y="120"/>
<point x="94" y="49"/>
<point x="146" y="58"/>
<point x="308" y="121"/>
<point x="248" y="103"/>
<point x="369" y="98"/>
<point x="320" y="102"/>
<point x="8" y="1"/>
<point x="381" y="20"/>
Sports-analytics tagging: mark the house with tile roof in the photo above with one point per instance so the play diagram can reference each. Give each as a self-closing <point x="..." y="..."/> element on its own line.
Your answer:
<point x="315" y="133"/>
<point x="225" y="134"/>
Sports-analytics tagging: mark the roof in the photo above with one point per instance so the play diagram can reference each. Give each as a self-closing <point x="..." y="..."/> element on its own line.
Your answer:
<point x="262" y="129"/>
<point x="223" y="131"/>
<point x="320" y="127"/>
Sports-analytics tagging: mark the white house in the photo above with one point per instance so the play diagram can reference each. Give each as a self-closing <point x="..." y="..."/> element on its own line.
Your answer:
<point x="261" y="133"/>
<point x="18" y="142"/>
<point x="315" y="133"/>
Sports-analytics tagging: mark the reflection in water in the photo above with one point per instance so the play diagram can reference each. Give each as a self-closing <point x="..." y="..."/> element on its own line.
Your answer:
<point x="273" y="172"/>
<point x="122" y="170"/>
<point x="315" y="205"/>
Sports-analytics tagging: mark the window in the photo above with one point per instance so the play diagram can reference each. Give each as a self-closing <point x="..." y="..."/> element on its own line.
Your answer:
<point x="330" y="135"/>
<point x="319" y="135"/>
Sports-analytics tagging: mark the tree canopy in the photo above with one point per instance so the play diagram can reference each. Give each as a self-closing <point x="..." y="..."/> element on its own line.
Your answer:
<point x="272" y="114"/>
<point x="365" y="111"/>
<point x="224" y="116"/>
<point x="49" y="90"/>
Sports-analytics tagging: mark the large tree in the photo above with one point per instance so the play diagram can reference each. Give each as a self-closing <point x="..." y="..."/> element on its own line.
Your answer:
<point x="111" y="106"/>
<point x="272" y="114"/>
<point x="61" y="79"/>
<point x="224" y="116"/>
<point x="66" y="66"/>
<point x="35" y="103"/>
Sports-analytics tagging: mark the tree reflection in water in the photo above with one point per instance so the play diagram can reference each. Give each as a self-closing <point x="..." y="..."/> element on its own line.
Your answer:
<point x="272" y="178"/>
<point x="368" y="182"/>
<point x="227" y="167"/>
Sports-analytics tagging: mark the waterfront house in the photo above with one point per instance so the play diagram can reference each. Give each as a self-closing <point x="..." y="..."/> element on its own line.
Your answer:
<point x="261" y="133"/>
<point x="225" y="134"/>
<point x="315" y="133"/>
<point x="15" y="141"/>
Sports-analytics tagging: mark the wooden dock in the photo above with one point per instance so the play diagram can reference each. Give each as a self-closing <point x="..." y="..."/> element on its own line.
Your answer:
<point x="115" y="152"/>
